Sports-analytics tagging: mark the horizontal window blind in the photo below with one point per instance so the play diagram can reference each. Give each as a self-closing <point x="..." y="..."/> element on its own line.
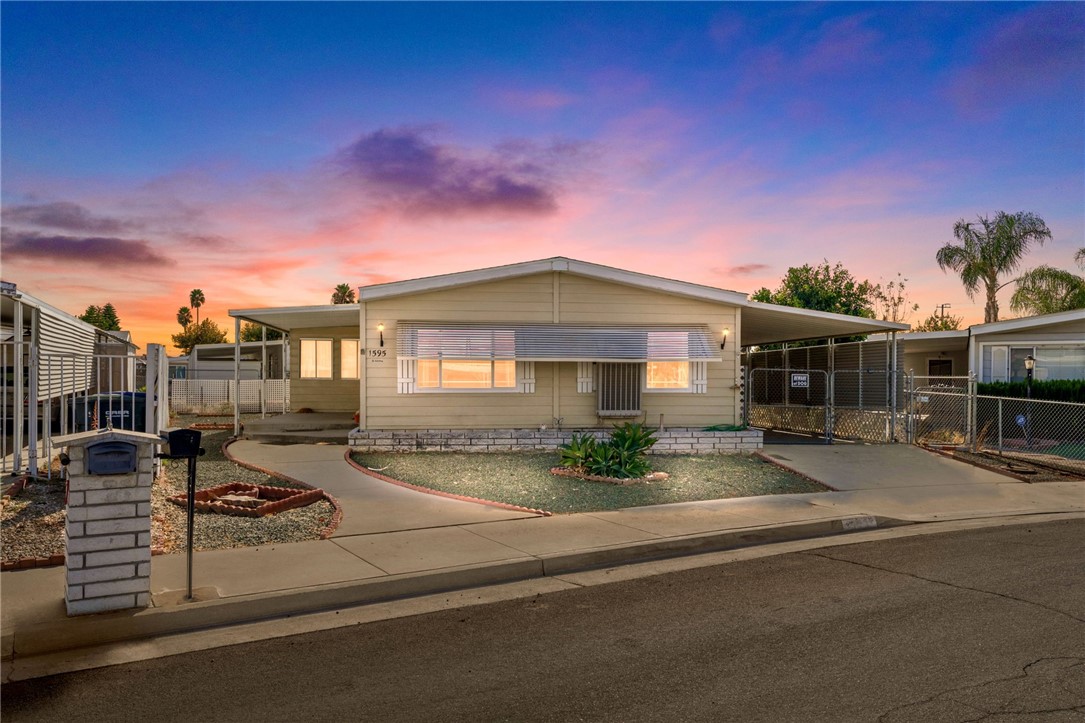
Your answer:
<point x="554" y="342"/>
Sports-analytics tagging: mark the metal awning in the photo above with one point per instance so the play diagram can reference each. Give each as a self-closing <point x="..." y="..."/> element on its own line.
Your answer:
<point x="772" y="324"/>
<point x="554" y="342"/>
<point x="289" y="318"/>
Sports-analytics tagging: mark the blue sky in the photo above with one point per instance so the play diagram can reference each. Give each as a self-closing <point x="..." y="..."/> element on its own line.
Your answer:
<point x="267" y="151"/>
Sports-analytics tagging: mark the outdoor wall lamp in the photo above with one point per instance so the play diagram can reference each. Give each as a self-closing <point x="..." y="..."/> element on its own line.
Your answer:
<point x="723" y="344"/>
<point x="380" y="330"/>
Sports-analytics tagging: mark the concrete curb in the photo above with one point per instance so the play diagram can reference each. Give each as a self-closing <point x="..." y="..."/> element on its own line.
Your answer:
<point x="71" y="633"/>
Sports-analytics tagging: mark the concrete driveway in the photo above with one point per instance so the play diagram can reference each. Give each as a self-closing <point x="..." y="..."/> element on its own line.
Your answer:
<point x="846" y="467"/>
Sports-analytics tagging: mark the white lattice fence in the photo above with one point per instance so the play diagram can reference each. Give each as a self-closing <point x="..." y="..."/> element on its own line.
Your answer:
<point x="210" y="396"/>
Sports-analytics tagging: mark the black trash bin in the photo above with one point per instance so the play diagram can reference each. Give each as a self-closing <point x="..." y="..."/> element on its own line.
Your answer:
<point x="125" y="410"/>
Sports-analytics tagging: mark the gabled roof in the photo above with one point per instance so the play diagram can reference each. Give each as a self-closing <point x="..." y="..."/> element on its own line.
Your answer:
<point x="761" y="323"/>
<point x="557" y="263"/>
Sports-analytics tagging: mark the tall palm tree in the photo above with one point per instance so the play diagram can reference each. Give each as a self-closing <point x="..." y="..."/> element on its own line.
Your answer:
<point x="195" y="300"/>
<point x="343" y="294"/>
<point x="184" y="316"/>
<point x="990" y="248"/>
<point x="1047" y="290"/>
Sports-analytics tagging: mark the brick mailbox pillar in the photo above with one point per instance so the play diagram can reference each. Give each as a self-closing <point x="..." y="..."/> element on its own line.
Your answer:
<point x="108" y="530"/>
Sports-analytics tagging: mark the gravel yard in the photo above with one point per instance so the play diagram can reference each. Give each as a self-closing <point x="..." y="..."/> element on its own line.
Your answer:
<point x="32" y="522"/>
<point x="524" y="479"/>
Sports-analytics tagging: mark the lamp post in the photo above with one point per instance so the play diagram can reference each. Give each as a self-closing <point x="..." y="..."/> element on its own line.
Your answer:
<point x="1030" y="364"/>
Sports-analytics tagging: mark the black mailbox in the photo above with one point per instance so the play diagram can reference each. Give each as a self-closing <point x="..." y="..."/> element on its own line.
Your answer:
<point x="111" y="458"/>
<point x="182" y="443"/>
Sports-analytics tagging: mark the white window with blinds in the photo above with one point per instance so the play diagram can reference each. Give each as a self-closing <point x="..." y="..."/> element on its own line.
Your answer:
<point x="316" y="359"/>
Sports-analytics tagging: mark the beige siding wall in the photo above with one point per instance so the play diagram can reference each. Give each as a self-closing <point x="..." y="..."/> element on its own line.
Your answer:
<point x="917" y="362"/>
<point x="551" y="297"/>
<point x="322" y="395"/>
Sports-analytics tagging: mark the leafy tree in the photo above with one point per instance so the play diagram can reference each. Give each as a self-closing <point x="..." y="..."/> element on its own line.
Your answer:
<point x="989" y="249"/>
<point x="1047" y="290"/>
<point x="103" y="317"/>
<point x="892" y="301"/>
<point x="343" y="294"/>
<point x="251" y="332"/>
<point x="184" y="316"/>
<point x="822" y="288"/>
<point x="204" y="332"/>
<point x="196" y="299"/>
<point x="934" y="322"/>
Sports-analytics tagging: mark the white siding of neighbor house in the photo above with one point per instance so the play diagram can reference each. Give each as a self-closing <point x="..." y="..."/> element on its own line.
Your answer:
<point x="66" y="346"/>
<point x="550" y="297"/>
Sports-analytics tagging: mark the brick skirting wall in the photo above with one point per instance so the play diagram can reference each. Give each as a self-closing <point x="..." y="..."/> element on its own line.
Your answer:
<point x="675" y="440"/>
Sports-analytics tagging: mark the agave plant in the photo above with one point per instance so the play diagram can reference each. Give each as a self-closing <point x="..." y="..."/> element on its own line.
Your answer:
<point x="576" y="453"/>
<point x="633" y="438"/>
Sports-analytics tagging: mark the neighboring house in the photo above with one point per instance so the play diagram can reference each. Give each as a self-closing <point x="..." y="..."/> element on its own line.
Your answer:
<point x="541" y="343"/>
<point x="996" y="352"/>
<point x="216" y="361"/>
<point x="74" y="358"/>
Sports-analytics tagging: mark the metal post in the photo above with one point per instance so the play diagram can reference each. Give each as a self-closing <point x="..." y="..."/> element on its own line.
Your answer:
<point x="191" y="519"/>
<point x="893" y="387"/>
<point x="32" y="411"/>
<point x="263" y="371"/>
<point x="1000" y="425"/>
<point x="830" y="395"/>
<point x="237" y="376"/>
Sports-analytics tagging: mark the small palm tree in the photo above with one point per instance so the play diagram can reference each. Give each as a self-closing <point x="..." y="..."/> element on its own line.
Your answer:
<point x="195" y="300"/>
<point x="990" y="248"/>
<point x="343" y="294"/>
<point x="1047" y="290"/>
<point x="184" y="316"/>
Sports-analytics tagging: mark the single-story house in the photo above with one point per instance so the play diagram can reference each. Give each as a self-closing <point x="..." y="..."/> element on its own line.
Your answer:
<point x="996" y="352"/>
<point x="533" y="346"/>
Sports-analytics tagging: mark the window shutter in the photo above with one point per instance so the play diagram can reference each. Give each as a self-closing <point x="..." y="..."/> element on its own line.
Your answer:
<point x="525" y="371"/>
<point x="407" y="371"/>
<point x="1000" y="364"/>
<point x="698" y="373"/>
<point x="585" y="378"/>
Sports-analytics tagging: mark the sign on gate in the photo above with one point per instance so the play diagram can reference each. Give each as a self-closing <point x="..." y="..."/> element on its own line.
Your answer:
<point x="800" y="381"/>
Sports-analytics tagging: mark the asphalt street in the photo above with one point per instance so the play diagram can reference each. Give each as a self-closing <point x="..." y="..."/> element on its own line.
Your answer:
<point x="984" y="624"/>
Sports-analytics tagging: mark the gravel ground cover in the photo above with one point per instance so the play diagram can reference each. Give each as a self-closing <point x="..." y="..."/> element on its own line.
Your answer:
<point x="32" y="522"/>
<point x="524" y="479"/>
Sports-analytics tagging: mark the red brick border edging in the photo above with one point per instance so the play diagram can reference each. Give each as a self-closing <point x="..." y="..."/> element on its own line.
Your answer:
<point x="337" y="514"/>
<point x="439" y="493"/>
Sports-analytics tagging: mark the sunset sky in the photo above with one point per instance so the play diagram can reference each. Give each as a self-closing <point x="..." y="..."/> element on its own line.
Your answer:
<point x="265" y="152"/>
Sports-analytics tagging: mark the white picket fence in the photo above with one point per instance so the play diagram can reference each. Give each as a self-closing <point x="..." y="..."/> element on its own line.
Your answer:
<point x="216" y="396"/>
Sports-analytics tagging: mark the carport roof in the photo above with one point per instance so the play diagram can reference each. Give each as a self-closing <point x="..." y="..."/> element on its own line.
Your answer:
<point x="287" y="318"/>
<point x="773" y="324"/>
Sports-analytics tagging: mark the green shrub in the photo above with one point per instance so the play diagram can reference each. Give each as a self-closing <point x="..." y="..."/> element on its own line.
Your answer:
<point x="577" y="452"/>
<point x="1059" y="390"/>
<point x="623" y="455"/>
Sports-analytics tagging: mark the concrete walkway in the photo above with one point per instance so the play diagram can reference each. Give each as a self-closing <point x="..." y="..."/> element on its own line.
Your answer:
<point x="395" y="542"/>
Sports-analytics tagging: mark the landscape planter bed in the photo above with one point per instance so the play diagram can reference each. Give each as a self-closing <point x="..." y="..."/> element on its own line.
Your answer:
<point x="248" y="500"/>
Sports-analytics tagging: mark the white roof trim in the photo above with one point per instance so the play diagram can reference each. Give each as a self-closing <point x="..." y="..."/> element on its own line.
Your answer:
<point x="267" y="316"/>
<point x="558" y="263"/>
<point x="1028" y="322"/>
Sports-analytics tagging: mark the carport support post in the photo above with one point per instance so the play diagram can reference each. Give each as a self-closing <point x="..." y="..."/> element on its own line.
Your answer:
<point x="893" y="386"/>
<point x="263" y="371"/>
<point x="237" y="376"/>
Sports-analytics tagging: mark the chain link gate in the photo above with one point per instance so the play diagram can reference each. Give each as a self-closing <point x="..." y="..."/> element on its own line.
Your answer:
<point x="793" y="400"/>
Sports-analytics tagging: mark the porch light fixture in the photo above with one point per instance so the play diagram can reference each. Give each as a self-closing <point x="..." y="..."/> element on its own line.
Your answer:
<point x="723" y="344"/>
<point x="1030" y="362"/>
<point x="380" y="330"/>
